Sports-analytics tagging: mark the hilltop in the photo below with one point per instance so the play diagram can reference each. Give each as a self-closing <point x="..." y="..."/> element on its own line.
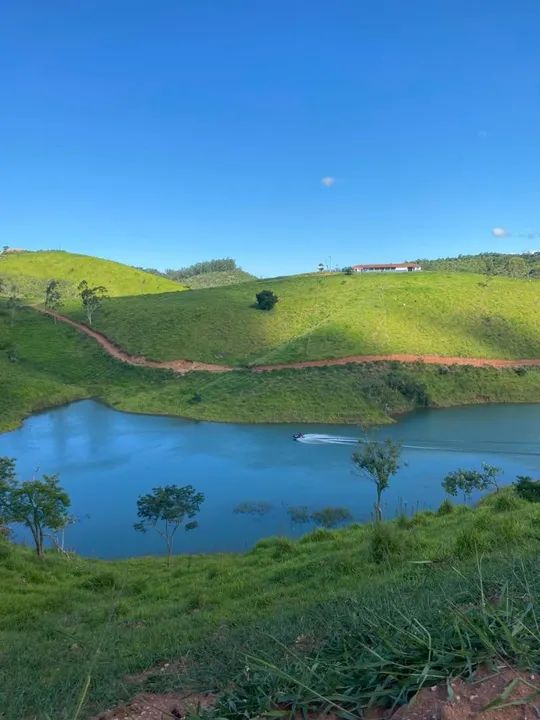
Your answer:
<point x="31" y="270"/>
<point x="332" y="316"/>
<point x="338" y="621"/>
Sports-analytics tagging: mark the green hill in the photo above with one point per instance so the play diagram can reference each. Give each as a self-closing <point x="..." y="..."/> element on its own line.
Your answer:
<point x="31" y="270"/>
<point x="333" y="316"/>
<point x="339" y="620"/>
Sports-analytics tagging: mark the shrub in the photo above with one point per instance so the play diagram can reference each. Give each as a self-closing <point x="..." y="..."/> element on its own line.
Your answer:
<point x="266" y="299"/>
<point x="446" y="507"/>
<point x="319" y="535"/>
<point x="468" y="542"/>
<point x="527" y="488"/>
<point x="505" y="502"/>
<point x="384" y="543"/>
<point x="101" y="581"/>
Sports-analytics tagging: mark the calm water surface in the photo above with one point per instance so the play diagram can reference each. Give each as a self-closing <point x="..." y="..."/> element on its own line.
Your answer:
<point x="106" y="458"/>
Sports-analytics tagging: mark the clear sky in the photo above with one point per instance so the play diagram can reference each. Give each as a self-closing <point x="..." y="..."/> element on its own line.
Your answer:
<point x="162" y="132"/>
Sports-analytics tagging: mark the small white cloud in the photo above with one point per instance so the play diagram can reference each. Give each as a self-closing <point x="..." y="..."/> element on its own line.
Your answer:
<point x="500" y="232"/>
<point x="328" y="181"/>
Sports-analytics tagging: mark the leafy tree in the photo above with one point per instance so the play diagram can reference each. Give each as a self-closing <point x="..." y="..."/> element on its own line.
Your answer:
<point x="527" y="488"/>
<point x="40" y="505"/>
<point x="200" y="268"/>
<point x="348" y="270"/>
<point x="379" y="461"/>
<point x="331" y="517"/>
<point x="14" y="303"/>
<point x="490" y="474"/>
<point x="266" y="299"/>
<point x="166" y="509"/>
<point x="516" y="267"/>
<point x="92" y="298"/>
<point x="53" y="297"/>
<point x="467" y="481"/>
<point x="320" y="267"/>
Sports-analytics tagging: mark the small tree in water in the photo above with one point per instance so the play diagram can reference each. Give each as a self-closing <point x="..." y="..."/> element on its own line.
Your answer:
<point x="379" y="461"/>
<point x="40" y="505"/>
<point x="166" y="509"/>
<point x="92" y="298"/>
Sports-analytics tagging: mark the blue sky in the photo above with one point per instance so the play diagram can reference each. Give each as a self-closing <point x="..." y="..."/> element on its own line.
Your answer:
<point x="161" y="133"/>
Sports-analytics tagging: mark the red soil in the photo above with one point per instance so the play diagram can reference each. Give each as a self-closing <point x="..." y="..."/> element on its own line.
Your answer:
<point x="185" y="366"/>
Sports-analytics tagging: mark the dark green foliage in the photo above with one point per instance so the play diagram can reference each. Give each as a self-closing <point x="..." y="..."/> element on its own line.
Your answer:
<point x="165" y="509"/>
<point x="446" y="507"/>
<point x="527" y="488"/>
<point x="505" y="501"/>
<point x="409" y="386"/>
<point x="489" y="264"/>
<point x="348" y="270"/>
<point x="299" y="515"/>
<point x="331" y="517"/>
<point x="266" y="299"/>
<point x="201" y="268"/>
<point x="259" y="508"/>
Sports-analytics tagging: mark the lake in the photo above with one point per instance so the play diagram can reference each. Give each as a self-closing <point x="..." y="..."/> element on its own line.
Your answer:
<point x="106" y="459"/>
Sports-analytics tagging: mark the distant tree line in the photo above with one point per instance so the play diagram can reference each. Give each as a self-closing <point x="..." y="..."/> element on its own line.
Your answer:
<point x="519" y="265"/>
<point x="201" y="268"/>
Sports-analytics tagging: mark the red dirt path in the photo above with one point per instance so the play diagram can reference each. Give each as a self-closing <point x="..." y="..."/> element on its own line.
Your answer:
<point x="185" y="366"/>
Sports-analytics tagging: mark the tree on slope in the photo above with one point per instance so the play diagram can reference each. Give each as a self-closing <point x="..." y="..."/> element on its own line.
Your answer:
<point x="53" y="297"/>
<point x="92" y="298"/>
<point x="379" y="461"/>
<point x="266" y="299"/>
<point x="40" y="505"/>
<point x="166" y="509"/>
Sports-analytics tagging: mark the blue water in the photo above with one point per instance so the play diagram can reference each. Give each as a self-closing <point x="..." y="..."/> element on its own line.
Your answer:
<point x="106" y="459"/>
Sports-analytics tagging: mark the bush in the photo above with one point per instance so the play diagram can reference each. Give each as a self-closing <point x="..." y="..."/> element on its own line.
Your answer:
<point x="505" y="502"/>
<point x="319" y="535"/>
<point x="266" y="299"/>
<point x="384" y="543"/>
<point x="446" y="507"/>
<point x="528" y="489"/>
<point x="468" y="542"/>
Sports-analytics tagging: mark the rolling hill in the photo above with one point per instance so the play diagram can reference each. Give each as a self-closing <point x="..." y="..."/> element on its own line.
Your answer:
<point x="31" y="270"/>
<point x="332" y="316"/>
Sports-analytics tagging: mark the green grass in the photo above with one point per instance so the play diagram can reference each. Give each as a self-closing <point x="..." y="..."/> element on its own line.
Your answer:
<point x="43" y="364"/>
<point x="333" y="316"/>
<point x="336" y="610"/>
<point x="30" y="271"/>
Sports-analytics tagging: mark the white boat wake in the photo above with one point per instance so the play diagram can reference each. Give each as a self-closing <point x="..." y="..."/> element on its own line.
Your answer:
<point x="487" y="447"/>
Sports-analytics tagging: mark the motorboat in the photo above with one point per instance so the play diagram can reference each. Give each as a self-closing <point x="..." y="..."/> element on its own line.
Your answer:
<point x="298" y="436"/>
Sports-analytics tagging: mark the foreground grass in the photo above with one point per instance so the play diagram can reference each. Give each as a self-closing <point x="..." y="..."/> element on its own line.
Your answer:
<point x="377" y="611"/>
<point x="332" y="316"/>
<point x="43" y="364"/>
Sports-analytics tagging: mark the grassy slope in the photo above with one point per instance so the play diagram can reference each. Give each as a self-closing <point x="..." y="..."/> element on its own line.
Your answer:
<point x="43" y="364"/>
<point x="218" y="279"/>
<point x="31" y="270"/>
<point x="65" y="619"/>
<point x="333" y="316"/>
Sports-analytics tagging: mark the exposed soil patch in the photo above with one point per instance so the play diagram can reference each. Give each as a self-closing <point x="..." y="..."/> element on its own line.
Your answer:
<point x="463" y="700"/>
<point x="184" y="366"/>
<point x="162" y="706"/>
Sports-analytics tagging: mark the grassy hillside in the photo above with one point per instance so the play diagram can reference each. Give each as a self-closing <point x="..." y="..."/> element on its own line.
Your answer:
<point x="348" y="618"/>
<point x="31" y="270"/>
<point x="218" y="279"/>
<point x="43" y="364"/>
<point x="333" y="316"/>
